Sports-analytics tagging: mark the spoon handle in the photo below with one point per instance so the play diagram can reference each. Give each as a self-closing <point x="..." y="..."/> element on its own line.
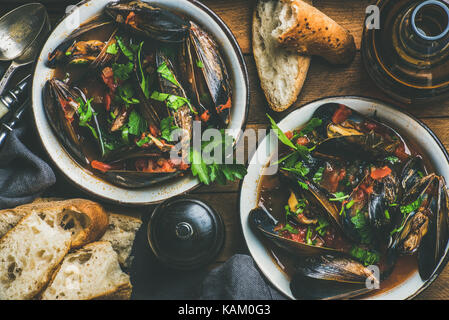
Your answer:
<point x="9" y="72"/>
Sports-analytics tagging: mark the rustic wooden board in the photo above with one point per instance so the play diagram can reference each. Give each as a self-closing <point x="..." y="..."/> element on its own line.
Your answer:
<point x="323" y="80"/>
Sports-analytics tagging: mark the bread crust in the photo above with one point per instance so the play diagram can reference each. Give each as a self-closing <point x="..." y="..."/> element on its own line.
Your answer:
<point x="95" y="215"/>
<point x="297" y="83"/>
<point x="317" y="34"/>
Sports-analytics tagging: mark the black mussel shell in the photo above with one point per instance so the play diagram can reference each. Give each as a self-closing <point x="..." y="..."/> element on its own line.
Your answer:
<point x="214" y="73"/>
<point x="149" y="20"/>
<point x="264" y="223"/>
<point x="136" y="179"/>
<point x="331" y="277"/>
<point x="68" y="135"/>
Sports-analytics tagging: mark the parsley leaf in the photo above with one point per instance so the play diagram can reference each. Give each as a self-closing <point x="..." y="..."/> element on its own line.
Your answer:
<point x="289" y="228"/>
<point x="339" y="196"/>
<point x="366" y="257"/>
<point x="172" y="101"/>
<point x="166" y="73"/>
<point x="392" y="159"/>
<point x="362" y="227"/>
<point x="318" y="175"/>
<point x="126" y="51"/>
<point x="125" y="93"/>
<point x="112" y="49"/>
<point x="167" y="127"/>
<point x="281" y="135"/>
<point x="311" y="125"/>
<point x="122" y="71"/>
<point x="219" y="172"/>
<point x="136" y="124"/>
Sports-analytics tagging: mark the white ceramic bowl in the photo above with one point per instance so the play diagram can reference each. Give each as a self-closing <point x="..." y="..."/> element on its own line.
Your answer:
<point x="405" y="124"/>
<point x="83" y="178"/>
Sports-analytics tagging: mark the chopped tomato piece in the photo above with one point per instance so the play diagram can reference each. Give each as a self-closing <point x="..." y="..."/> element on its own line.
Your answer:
<point x="302" y="141"/>
<point x="130" y="19"/>
<point x="289" y="135"/>
<point x="103" y="167"/>
<point x="107" y="101"/>
<point x="341" y="114"/>
<point x="205" y="116"/>
<point x="225" y="106"/>
<point x="153" y="130"/>
<point x="379" y="173"/>
<point x="108" y="78"/>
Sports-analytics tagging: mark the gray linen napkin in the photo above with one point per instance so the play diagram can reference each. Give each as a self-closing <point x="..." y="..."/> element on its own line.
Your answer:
<point x="237" y="279"/>
<point x="23" y="175"/>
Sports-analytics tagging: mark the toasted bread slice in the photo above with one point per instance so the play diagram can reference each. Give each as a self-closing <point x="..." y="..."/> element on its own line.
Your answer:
<point x="86" y="220"/>
<point x="121" y="233"/>
<point x="92" y="272"/>
<point x="308" y="31"/>
<point x="29" y="253"/>
<point x="281" y="72"/>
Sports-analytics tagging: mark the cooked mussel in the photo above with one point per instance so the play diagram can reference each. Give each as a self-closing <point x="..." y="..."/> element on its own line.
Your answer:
<point x="412" y="172"/>
<point x="62" y="105"/>
<point x="177" y="102"/>
<point x="149" y="20"/>
<point x="368" y="214"/>
<point x="349" y="135"/>
<point x="423" y="226"/>
<point x="314" y="193"/>
<point x="211" y="69"/>
<point x="79" y="52"/>
<point x="331" y="277"/>
<point x="263" y="222"/>
<point x="138" y="169"/>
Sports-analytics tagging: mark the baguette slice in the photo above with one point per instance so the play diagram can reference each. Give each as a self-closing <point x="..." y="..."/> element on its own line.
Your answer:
<point x="29" y="253"/>
<point x="308" y="31"/>
<point x="92" y="272"/>
<point x="121" y="233"/>
<point x="281" y="72"/>
<point x="86" y="220"/>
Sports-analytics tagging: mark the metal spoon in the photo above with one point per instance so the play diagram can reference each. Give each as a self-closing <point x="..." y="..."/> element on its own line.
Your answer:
<point x="22" y="32"/>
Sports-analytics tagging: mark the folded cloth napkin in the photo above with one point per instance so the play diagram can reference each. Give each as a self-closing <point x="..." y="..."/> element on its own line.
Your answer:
<point x="237" y="279"/>
<point x="23" y="175"/>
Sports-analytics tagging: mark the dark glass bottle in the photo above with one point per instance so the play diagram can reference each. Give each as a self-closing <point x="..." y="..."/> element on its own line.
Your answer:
<point x="408" y="55"/>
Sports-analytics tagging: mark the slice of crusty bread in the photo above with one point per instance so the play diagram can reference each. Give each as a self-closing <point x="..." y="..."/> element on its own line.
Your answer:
<point x="121" y="233"/>
<point x="308" y="31"/>
<point x="29" y="253"/>
<point x="92" y="272"/>
<point x="281" y="72"/>
<point x="86" y="220"/>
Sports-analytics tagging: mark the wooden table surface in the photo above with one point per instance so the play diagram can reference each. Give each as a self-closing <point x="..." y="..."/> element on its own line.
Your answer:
<point x="323" y="80"/>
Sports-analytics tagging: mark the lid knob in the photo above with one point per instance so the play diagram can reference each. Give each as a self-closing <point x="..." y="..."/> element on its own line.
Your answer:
<point x="185" y="233"/>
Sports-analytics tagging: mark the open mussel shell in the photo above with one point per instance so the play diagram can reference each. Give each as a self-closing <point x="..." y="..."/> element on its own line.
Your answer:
<point x="348" y="135"/>
<point x="412" y="173"/>
<point x="212" y="68"/>
<point x="183" y="115"/>
<point x="331" y="277"/>
<point x="424" y="229"/>
<point x="60" y="56"/>
<point x="148" y="20"/>
<point x="434" y="243"/>
<point x="313" y="192"/>
<point x="263" y="222"/>
<point x="55" y="92"/>
<point x="136" y="179"/>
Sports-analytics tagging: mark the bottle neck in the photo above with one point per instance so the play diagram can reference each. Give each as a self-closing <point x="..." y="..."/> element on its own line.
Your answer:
<point x="425" y="29"/>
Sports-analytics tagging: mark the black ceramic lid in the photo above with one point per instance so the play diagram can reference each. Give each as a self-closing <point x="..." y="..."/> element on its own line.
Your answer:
<point x="185" y="233"/>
